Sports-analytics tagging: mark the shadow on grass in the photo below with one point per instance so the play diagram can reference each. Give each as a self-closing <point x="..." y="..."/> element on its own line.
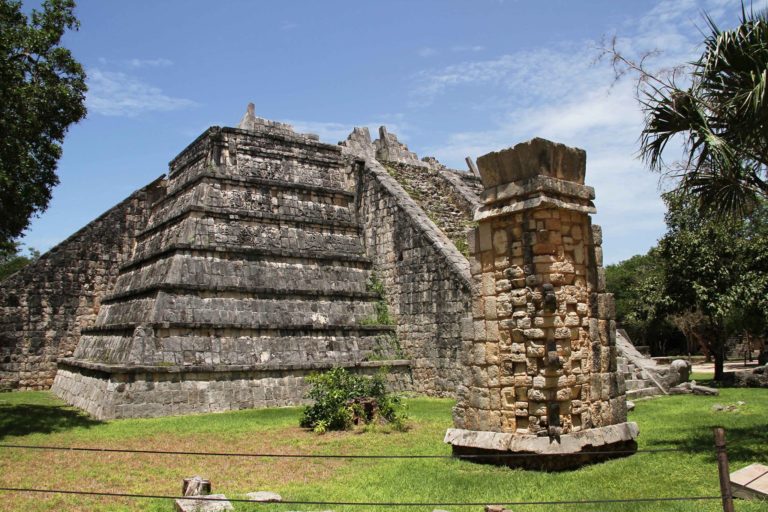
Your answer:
<point x="744" y="444"/>
<point x="25" y="419"/>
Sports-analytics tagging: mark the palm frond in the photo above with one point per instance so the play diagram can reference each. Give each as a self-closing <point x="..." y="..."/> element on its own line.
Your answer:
<point x="719" y="193"/>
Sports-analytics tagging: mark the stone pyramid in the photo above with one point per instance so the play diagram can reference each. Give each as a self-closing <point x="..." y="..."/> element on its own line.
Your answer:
<point x="250" y="274"/>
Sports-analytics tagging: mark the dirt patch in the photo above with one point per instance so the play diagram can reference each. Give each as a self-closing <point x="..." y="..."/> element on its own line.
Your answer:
<point x="157" y="474"/>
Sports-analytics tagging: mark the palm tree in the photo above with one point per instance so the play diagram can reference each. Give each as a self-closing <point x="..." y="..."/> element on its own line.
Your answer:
<point x="722" y="117"/>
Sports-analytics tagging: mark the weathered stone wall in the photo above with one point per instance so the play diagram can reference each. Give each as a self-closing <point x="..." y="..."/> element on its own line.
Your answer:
<point x="142" y="394"/>
<point x="425" y="277"/>
<point x="44" y="306"/>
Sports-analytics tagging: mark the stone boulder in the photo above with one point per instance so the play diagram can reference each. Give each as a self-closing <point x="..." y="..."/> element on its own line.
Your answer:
<point x="679" y="372"/>
<point x="755" y="378"/>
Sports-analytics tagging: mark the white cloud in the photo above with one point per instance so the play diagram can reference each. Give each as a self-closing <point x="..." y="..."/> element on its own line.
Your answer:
<point x="520" y="76"/>
<point x="470" y="48"/>
<point x="150" y="63"/>
<point x="561" y="94"/>
<point x="113" y="93"/>
<point x="136" y="63"/>
<point x="426" y="52"/>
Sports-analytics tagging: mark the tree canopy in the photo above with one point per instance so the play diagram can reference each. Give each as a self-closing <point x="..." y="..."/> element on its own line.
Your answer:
<point x="708" y="279"/>
<point x="717" y="270"/>
<point x="42" y="92"/>
<point x="12" y="260"/>
<point x="637" y="285"/>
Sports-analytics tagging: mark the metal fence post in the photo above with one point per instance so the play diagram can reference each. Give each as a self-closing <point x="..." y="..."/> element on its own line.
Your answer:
<point x="722" y="468"/>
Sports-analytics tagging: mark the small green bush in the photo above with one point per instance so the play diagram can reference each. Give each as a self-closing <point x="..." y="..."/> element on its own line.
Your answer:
<point x="343" y="400"/>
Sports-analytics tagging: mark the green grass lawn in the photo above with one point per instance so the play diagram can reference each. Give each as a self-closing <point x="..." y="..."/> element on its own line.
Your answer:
<point x="683" y="422"/>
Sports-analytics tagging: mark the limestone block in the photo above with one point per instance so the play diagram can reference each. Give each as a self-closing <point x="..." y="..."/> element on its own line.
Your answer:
<point x="532" y="158"/>
<point x="264" y="496"/>
<point x="210" y="503"/>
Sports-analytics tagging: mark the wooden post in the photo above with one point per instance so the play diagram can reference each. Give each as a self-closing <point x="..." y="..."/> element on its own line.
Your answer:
<point x="722" y="468"/>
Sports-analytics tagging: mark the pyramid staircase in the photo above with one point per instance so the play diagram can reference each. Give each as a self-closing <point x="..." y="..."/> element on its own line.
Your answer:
<point x="640" y="377"/>
<point x="250" y="274"/>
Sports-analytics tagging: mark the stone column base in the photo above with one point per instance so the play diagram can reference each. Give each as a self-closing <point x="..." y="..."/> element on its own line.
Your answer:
<point x="568" y="451"/>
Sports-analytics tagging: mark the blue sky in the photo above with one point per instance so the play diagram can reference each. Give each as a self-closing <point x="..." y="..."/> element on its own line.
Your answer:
<point x="450" y="78"/>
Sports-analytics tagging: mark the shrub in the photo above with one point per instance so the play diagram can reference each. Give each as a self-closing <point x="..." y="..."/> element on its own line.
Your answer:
<point x="381" y="317"/>
<point x="343" y="400"/>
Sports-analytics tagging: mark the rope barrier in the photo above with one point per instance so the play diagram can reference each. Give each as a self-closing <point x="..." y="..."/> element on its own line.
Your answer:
<point x="325" y="456"/>
<point x="366" y="503"/>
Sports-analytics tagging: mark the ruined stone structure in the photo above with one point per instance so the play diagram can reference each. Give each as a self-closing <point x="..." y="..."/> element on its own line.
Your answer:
<point x="255" y="262"/>
<point x="262" y="257"/>
<point x="249" y="274"/>
<point x="540" y="360"/>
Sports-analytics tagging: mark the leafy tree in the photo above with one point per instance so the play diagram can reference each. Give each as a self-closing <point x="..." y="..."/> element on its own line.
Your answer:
<point x="42" y="92"/>
<point x="11" y="260"/>
<point x="721" y="116"/>
<point x="637" y="285"/>
<point x="715" y="271"/>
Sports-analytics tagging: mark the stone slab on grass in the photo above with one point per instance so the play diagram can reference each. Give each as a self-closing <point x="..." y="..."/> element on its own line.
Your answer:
<point x="210" y="503"/>
<point x="264" y="496"/>
<point x="567" y="444"/>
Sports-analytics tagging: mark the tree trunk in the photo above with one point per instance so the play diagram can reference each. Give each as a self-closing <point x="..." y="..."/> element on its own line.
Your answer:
<point x="719" y="355"/>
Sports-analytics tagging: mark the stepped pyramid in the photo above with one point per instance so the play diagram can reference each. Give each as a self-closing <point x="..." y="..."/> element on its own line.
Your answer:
<point x="250" y="274"/>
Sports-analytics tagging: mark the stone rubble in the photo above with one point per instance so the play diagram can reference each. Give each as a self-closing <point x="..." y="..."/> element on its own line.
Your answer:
<point x="389" y="149"/>
<point x="755" y="378"/>
<point x="693" y="388"/>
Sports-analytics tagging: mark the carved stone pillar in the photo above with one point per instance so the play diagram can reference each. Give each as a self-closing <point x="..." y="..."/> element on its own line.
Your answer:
<point x="540" y="355"/>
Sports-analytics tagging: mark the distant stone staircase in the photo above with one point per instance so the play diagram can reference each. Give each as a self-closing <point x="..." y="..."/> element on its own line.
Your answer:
<point x="637" y="381"/>
<point x="641" y="373"/>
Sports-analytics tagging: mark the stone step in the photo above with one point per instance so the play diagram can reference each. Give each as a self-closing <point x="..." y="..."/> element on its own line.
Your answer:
<point x="339" y="219"/>
<point x="264" y="156"/>
<point x="633" y="384"/>
<point x="194" y="309"/>
<point x="247" y="252"/>
<point x="223" y="273"/>
<point x="255" y="195"/>
<point x="221" y="233"/>
<point x="214" y="290"/>
<point x="229" y="348"/>
<point x="643" y="393"/>
<point x="628" y="368"/>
